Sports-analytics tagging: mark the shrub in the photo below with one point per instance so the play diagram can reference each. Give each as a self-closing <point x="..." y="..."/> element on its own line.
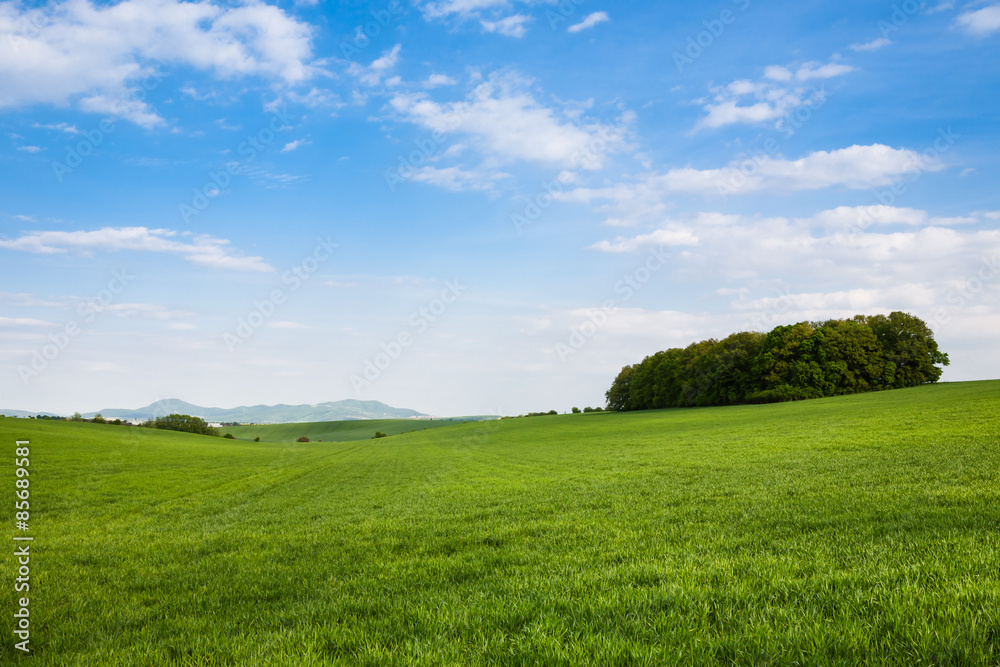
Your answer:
<point x="379" y="434"/>
<point x="229" y="436"/>
<point x="257" y="439"/>
<point x="303" y="439"/>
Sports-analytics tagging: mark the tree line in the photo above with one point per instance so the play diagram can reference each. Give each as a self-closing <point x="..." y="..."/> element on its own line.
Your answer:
<point x="793" y="362"/>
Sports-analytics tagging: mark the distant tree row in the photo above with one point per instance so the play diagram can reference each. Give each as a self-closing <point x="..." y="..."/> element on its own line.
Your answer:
<point x="798" y="361"/>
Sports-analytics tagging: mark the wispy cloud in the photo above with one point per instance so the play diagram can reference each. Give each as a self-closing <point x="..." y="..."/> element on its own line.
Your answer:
<point x="292" y="145"/>
<point x="589" y="22"/>
<point x="505" y="122"/>
<point x="511" y="26"/>
<point x="202" y="250"/>
<point x="873" y="45"/>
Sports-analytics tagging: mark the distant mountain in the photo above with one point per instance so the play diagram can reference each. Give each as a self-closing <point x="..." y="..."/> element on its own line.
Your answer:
<point x="24" y="413"/>
<point x="266" y="414"/>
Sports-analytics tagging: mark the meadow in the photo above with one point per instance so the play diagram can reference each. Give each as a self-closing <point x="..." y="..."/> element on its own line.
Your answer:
<point x="335" y="431"/>
<point x="860" y="529"/>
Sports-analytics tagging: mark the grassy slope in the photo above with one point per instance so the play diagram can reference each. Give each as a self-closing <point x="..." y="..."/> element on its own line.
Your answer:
<point x="860" y="529"/>
<point x="338" y="431"/>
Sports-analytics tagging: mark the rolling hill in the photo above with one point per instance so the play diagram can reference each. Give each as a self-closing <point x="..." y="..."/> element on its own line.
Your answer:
<point x="860" y="529"/>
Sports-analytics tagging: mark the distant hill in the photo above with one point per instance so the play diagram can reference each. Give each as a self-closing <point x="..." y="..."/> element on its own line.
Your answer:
<point x="266" y="414"/>
<point x="25" y="413"/>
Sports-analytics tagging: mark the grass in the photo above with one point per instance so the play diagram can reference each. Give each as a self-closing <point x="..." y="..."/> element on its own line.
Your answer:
<point x="853" y="530"/>
<point x="338" y="431"/>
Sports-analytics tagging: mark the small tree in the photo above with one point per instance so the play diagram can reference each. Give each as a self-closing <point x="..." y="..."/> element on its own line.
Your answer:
<point x="99" y="419"/>
<point x="77" y="417"/>
<point x="303" y="439"/>
<point x="576" y="411"/>
<point x="379" y="434"/>
<point x="229" y="436"/>
<point x="257" y="439"/>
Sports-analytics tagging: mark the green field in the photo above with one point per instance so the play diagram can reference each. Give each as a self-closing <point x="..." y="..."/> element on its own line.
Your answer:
<point x="339" y="431"/>
<point x="855" y="530"/>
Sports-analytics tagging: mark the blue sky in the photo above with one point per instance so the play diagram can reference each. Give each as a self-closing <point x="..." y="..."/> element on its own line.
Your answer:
<point x="478" y="206"/>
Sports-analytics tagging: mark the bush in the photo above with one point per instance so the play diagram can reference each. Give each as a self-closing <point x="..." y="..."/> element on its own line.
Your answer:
<point x="576" y="411"/>
<point x="257" y="439"/>
<point x="229" y="436"/>
<point x="379" y="434"/>
<point x="303" y="439"/>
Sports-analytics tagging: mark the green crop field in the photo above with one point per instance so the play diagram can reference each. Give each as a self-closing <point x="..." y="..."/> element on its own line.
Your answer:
<point x="855" y="530"/>
<point x="339" y="431"/>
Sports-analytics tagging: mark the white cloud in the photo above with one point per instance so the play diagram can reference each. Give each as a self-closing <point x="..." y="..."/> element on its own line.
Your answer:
<point x="815" y="70"/>
<point x="589" y="22"/>
<point x="444" y="8"/>
<point x="855" y="167"/>
<point x="292" y="145"/>
<point x="373" y="74"/>
<point x="438" y="80"/>
<point x="202" y="250"/>
<point x="510" y="26"/>
<point x="980" y="22"/>
<point x="659" y="237"/>
<point x="506" y="123"/>
<point x="23" y="322"/>
<point x="91" y="55"/>
<point x="144" y="311"/>
<point x="29" y="149"/>
<point x="455" y="179"/>
<point x="60" y="127"/>
<point x="873" y="45"/>
<point x="780" y="93"/>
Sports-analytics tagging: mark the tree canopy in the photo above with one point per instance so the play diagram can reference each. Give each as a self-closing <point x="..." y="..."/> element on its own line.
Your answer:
<point x="792" y="362"/>
<point x="185" y="423"/>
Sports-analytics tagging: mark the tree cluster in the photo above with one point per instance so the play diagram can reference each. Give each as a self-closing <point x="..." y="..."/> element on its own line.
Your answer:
<point x="184" y="423"/>
<point x="793" y="362"/>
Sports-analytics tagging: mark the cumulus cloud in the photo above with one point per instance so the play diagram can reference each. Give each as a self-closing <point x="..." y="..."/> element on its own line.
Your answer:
<point x="90" y="55"/>
<point x="505" y="122"/>
<point x="373" y="74"/>
<point x="778" y="94"/>
<point x="980" y="22"/>
<point x="202" y="250"/>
